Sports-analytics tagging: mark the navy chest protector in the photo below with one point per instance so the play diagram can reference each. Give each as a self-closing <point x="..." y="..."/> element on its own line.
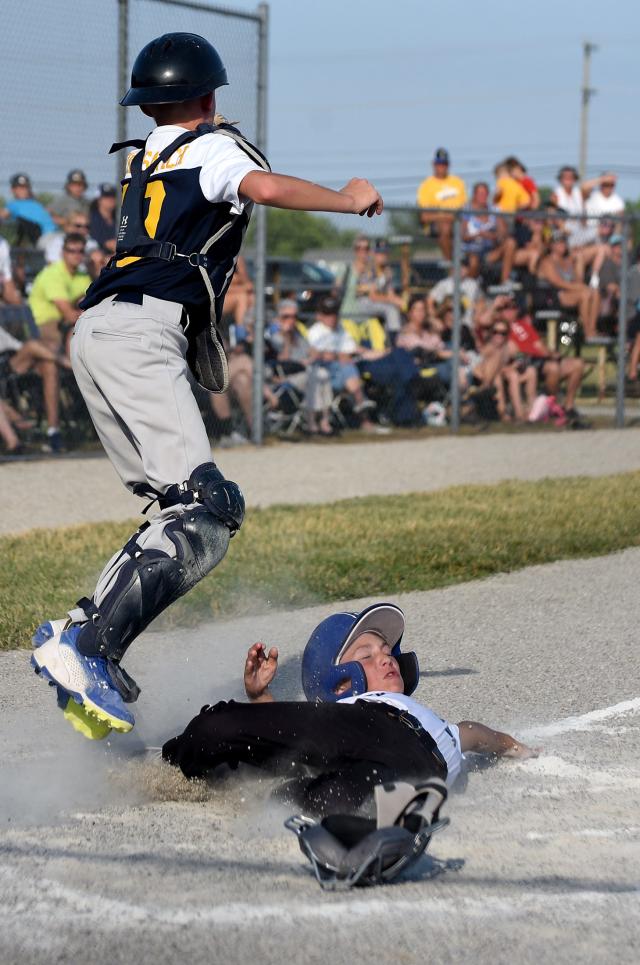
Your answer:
<point x="206" y="354"/>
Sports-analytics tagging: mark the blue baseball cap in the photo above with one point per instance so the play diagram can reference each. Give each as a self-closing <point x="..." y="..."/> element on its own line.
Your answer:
<point x="441" y="156"/>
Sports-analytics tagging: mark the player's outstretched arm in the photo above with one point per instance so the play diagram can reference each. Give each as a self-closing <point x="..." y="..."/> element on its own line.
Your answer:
<point x="259" y="670"/>
<point x="282" y="191"/>
<point x="483" y="740"/>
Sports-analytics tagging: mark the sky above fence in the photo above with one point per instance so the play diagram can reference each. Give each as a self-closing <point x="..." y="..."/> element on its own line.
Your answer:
<point x="356" y="88"/>
<point x="371" y="88"/>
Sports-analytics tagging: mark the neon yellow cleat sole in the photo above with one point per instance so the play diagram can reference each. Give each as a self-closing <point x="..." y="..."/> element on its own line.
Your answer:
<point x="84" y="722"/>
<point x="103" y="718"/>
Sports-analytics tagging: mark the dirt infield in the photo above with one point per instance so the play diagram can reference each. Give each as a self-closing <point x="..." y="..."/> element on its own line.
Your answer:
<point x="104" y="852"/>
<point x="67" y="491"/>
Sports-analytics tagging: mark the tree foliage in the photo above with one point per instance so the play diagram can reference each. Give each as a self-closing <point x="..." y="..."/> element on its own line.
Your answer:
<point x="291" y="233"/>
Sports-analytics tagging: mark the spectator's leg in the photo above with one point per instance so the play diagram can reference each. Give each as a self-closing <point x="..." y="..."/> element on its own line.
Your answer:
<point x="530" y="386"/>
<point x="634" y="359"/>
<point x="501" y="399"/>
<point x="508" y="251"/>
<point x="240" y="383"/>
<point x="593" y="310"/>
<point x="35" y="355"/>
<point x="551" y="373"/>
<point x="11" y="440"/>
<point x="573" y="371"/>
<point x="512" y="379"/>
<point x="50" y="335"/>
<point x="474" y="264"/>
<point x="445" y="235"/>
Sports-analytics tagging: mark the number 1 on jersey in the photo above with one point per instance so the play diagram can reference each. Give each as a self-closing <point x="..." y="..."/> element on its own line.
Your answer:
<point x="156" y="194"/>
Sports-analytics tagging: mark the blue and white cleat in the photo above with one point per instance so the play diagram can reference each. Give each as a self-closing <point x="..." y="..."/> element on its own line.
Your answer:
<point x="47" y="630"/>
<point x="85" y="679"/>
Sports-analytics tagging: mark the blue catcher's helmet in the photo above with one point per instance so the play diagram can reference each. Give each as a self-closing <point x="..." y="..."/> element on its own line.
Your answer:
<point x="322" y="671"/>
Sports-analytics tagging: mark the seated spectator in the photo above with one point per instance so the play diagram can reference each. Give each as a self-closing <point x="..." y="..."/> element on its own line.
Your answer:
<point x="469" y="291"/>
<point x="610" y="280"/>
<point x="73" y="200"/>
<point x="292" y="365"/>
<point x="18" y="358"/>
<point x="32" y="218"/>
<point x="426" y="345"/>
<point x="527" y="232"/>
<point x="484" y="236"/>
<point x="512" y="372"/>
<point x="564" y="273"/>
<point x="441" y="190"/>
<point x="55" y="294"/>
<point x="375" y="293"/>
<point x="583" y="237"/>
<point x="334" y="349"/>
<point x="510" y="194"/>
<point x="358" y="279"/>
<point x="102" y="218"/>
<point x="518" y="171"/>
<point x="552" y="368"/>
<point x="51" y="243"/>
<point x="603" y="198"/>
<point x="240" y="294"/>
<point x="9" y="293"/>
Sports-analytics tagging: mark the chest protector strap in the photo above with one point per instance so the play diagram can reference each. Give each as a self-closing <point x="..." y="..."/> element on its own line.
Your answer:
<point x="207" y="357"/>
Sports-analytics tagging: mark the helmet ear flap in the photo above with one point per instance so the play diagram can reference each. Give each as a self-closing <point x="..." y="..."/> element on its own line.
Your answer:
<point x="409" y="669"/>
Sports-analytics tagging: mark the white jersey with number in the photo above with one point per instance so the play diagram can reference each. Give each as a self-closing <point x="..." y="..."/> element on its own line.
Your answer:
<point x="445" y="734"/>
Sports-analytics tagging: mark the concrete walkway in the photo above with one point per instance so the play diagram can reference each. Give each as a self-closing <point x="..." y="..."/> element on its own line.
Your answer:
<point x="68" y="491"/>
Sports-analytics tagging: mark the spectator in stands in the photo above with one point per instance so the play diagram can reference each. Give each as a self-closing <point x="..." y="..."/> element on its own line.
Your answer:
<point x="51" y="244"/>
<point x="518" y="171"/>
<point x="485" y="240"/>
<point x="102" y="218"/>
<point x="552" y="368"/>
<point x="610" y="274"/>
<point x="510" y="194"/>
<point x="32" y="218"/>
<point x="335" y="350"/>
<point x="603" y="198"/>
<point x="565" y="274"/>
<point x="469" y="291"/>
<point x="73" y="200"/>
<point x="9" y="293"/>
<point x="441" y="190"/>
<point x="18" y="358"/>
<point x="358" y="279"/>
<point x="633" y="319"/>
<point x="583" y="237"/>
<point x="55" y="294"/>
<point x="292" y="365"/>
<point x="375" y="292"/>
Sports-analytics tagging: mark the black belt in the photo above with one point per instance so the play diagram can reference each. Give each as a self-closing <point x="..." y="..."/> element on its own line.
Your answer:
<point x="134" y="298"/>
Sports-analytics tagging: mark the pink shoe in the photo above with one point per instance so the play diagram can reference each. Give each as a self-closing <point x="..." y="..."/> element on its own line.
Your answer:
<point x="556" y="412"/>
<point x="540" y="408"/>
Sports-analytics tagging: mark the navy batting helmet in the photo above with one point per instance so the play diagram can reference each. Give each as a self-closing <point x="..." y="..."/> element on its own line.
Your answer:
<point x="322" y="671"/>
<point x="175" y="67"/>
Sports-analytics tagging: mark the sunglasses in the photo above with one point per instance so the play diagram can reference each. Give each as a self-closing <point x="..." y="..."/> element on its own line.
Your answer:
<point x="79" y="224"/>
<point x="288" y="315"/>
<point x="500" y="331"/>
<point x="75" y="251"/>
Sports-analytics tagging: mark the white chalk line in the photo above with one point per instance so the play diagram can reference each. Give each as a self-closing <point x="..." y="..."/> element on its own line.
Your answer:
<point x="584" y="721"/>
<point x="53" y="902"/>
<point x="625" y="832"/>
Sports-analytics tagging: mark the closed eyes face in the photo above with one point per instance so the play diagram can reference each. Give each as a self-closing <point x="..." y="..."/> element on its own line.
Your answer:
<point x="381" y="668"/>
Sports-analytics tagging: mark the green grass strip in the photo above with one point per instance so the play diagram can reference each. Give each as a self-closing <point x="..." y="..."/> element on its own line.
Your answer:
<point x="297" y="555"/>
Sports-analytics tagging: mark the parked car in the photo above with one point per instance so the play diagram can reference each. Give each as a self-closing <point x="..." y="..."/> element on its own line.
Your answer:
<point x="304" y="281"/>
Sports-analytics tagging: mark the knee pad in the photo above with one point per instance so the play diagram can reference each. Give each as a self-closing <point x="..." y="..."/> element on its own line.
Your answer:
<point x="222" y="498"/>
<point x="144" y="580"/>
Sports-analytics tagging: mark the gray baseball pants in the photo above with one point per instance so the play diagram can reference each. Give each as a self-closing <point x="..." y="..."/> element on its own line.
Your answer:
<point x="130" y="364"/>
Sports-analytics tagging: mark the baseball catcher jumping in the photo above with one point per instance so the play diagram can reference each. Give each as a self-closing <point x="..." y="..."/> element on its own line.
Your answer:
<point x="152" y="315"/>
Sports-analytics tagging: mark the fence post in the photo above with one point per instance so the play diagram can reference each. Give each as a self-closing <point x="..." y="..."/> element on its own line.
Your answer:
<point x="123" y="84"/>
<point x="457" y="321"/>
<point x="261" y="233"/>
<point x="622" y="327"/>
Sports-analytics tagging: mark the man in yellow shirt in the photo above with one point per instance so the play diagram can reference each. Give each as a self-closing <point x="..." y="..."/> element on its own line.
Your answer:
<point x="441" y="190"/>
<point x="57" y="290"/>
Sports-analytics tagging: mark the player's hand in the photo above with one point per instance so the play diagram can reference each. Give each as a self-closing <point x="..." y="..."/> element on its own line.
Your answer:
<point x="259" y="670"/>
<point x="366" y="199"/>
<point x="520" y="752"/>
